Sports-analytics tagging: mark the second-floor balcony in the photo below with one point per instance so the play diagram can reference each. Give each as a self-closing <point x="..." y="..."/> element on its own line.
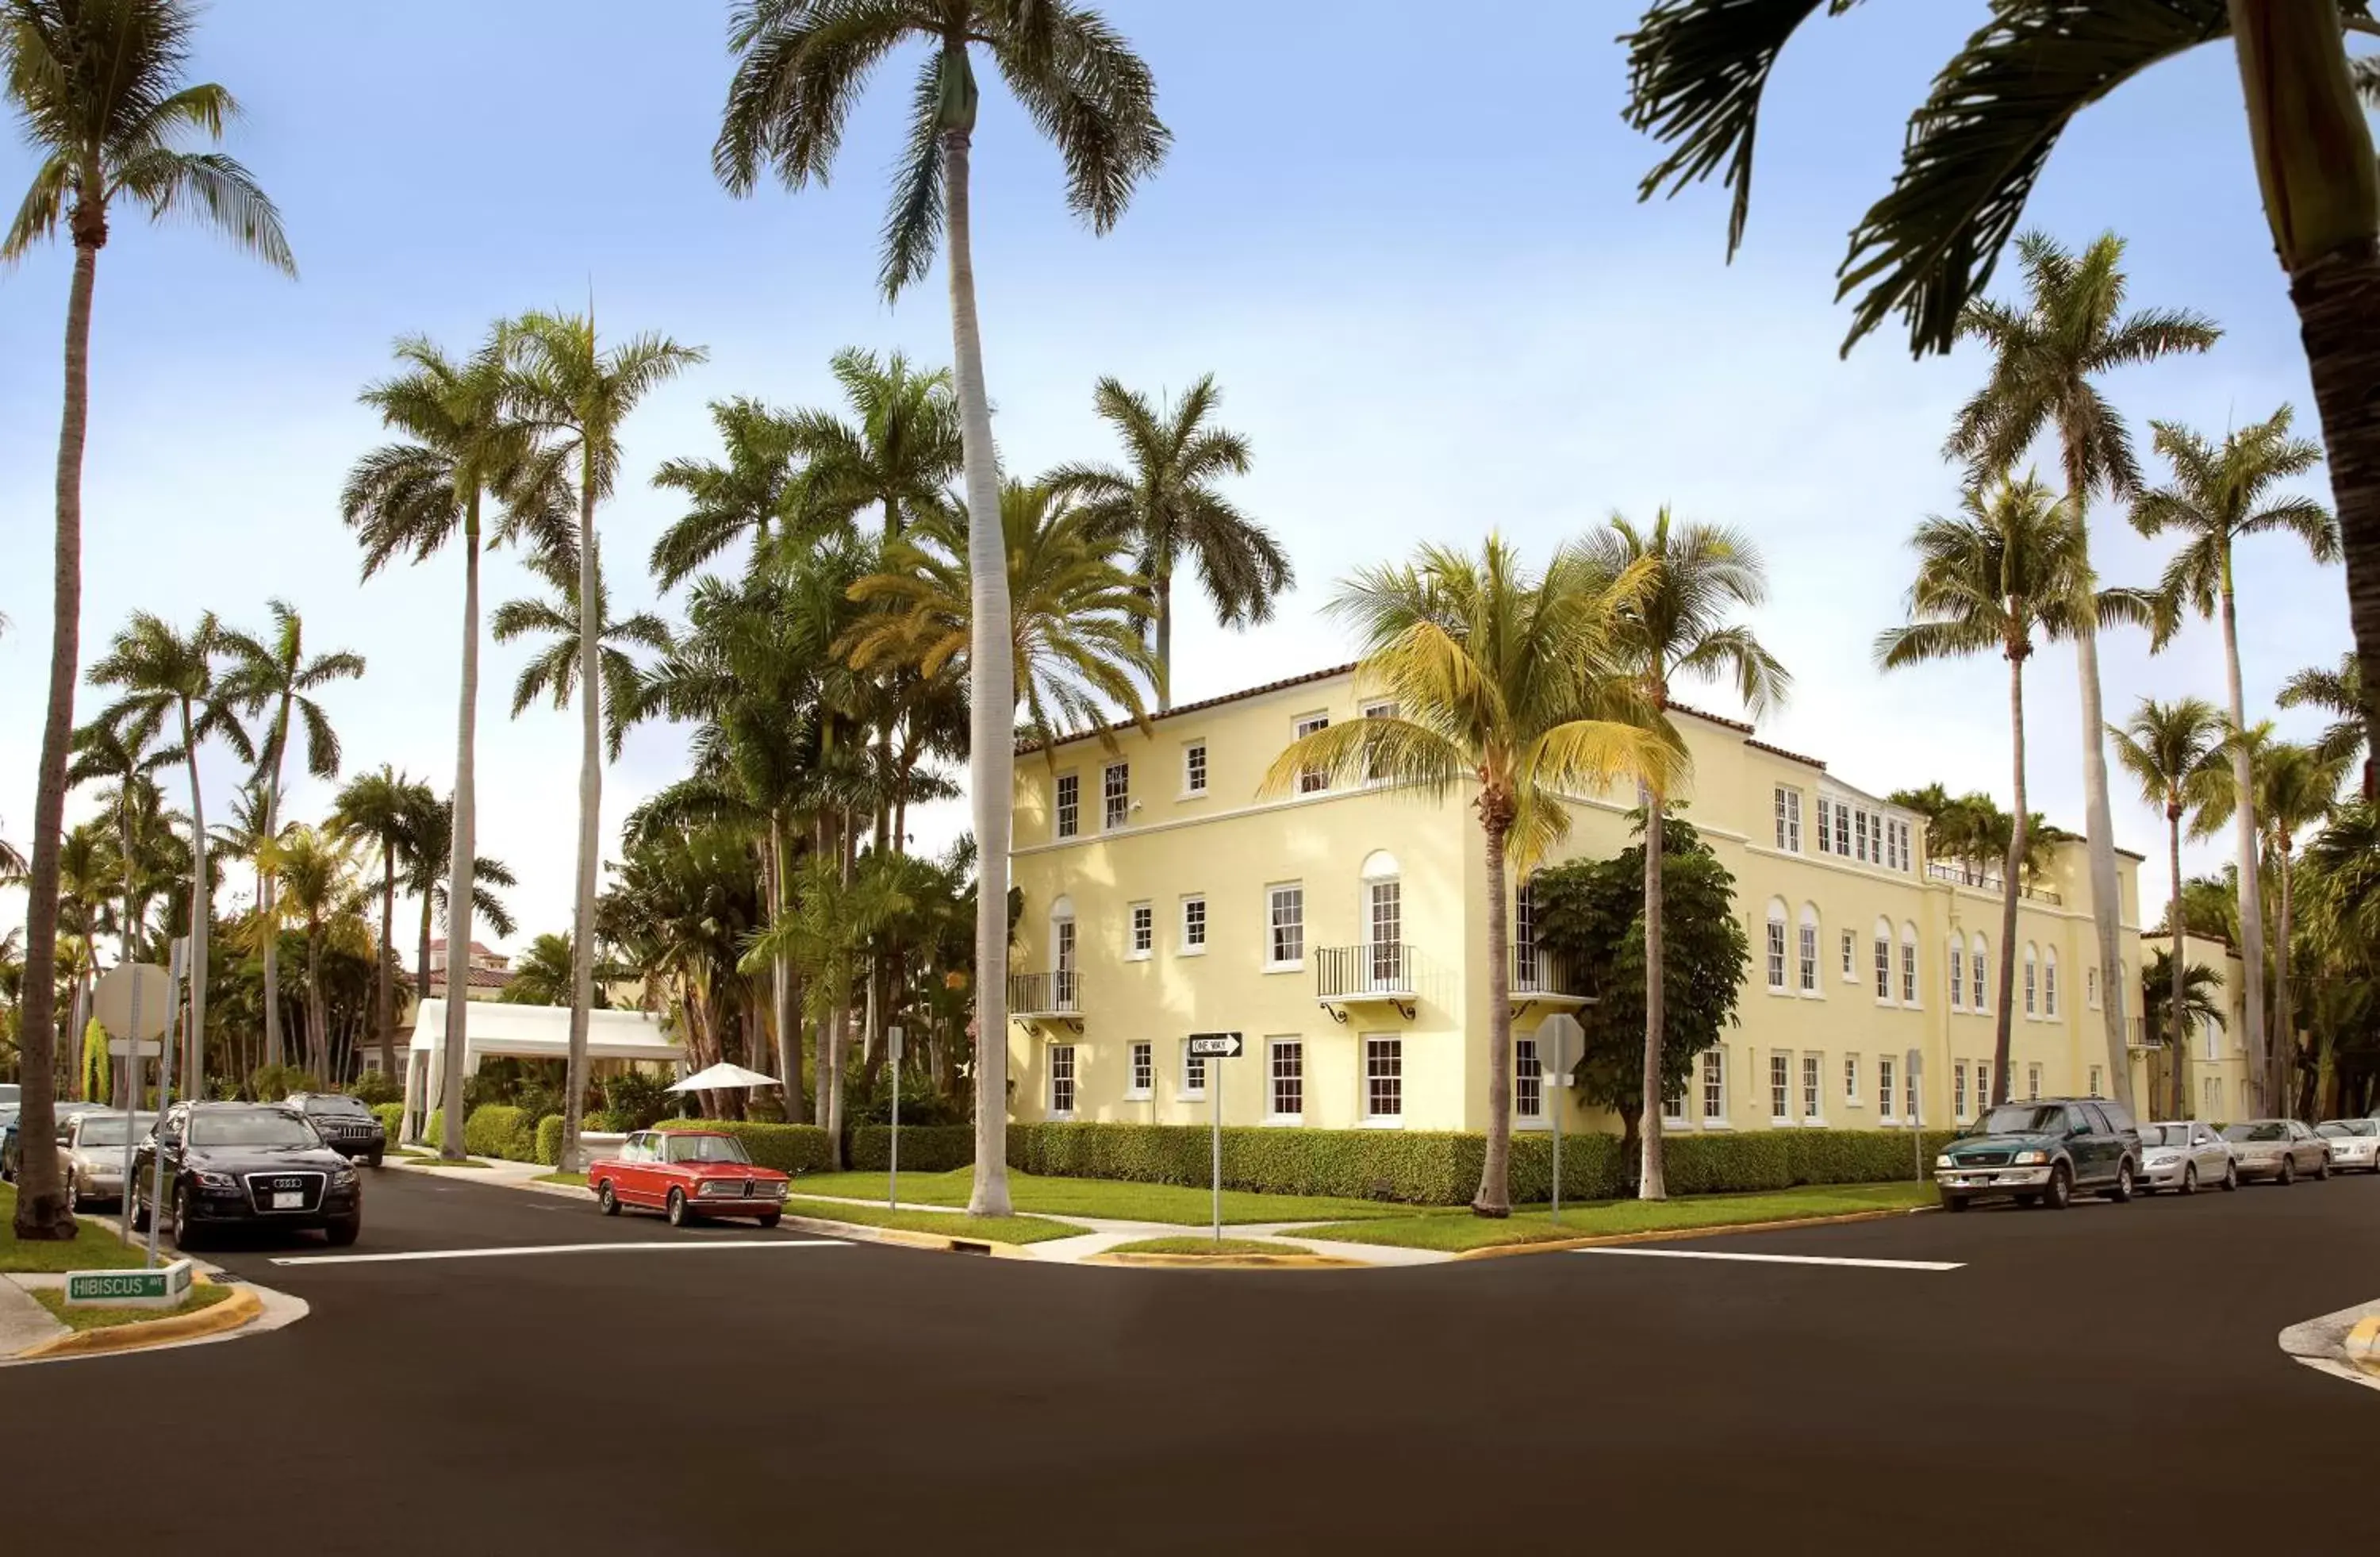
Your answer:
<point x="1986" y="881"/>
<point x="1536" y="976"/>
<point x="1373" y="972"/>
<point x="1046" y="997"/>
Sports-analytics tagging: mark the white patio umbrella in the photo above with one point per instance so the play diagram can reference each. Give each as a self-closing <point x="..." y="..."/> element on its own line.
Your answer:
<point x="720" y="1076"/>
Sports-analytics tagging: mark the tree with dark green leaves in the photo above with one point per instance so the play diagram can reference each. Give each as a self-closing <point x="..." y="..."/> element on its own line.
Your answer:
<point x="2340" y="693"/>
<point x="895" y="457"/>
<point x="2177" y="1000"/>
<point x="1590" y="912"/>
<point x="750" y="496"/>
<point x="2175" y="751"/>
<point x="377" y="810"/>
<point x="553" y="672"/>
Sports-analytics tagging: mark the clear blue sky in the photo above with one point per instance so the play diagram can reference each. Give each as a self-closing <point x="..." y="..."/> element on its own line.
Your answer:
<point x="1418" y="267"/>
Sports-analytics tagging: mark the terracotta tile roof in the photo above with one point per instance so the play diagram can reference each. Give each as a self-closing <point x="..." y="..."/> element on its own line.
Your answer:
<point x="480" y="978"/>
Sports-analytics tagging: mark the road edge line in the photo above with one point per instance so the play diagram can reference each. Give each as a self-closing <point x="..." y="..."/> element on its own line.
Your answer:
<point x="902" y="1237"/>
<point x="1672" y="1235"/>
<point x="217" y="1319"/>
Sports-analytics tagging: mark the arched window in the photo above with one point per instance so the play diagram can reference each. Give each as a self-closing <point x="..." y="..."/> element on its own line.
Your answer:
<point x="1777" y="945"/>
<point x="2031" y="979"/>
<point x="1384" y="921"/>
<point x="2049" y="982"/>
<point x="1062" y="953"/>
<point x="1884" y="959"/>
<point x="1978" y="961"/>
<point x="1958" y="973"/>
<point x="1909" y="964"/>
<point x="1806" y="950"/>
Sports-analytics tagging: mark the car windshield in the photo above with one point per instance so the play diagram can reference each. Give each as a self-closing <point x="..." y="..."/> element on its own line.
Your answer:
<point x="2165" y="1135"/>
<point x="2261" y="1129"/>
<point x="108" y="1129"/>
<point x="252" y="1126"/>
<point x="2018" y="1119"/>
<point x="335" y="1105"/>
<point x="2338" y="1127"/>
<point x="707" y="1149"/>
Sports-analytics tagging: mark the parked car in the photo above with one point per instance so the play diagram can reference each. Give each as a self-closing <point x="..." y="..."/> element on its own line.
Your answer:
<point x="2043" y="1152"/>
<point x="2184" y="1154"/>
<point x="2278" y="1149"/>
<point x="2352" y="1143"/>
<point x="90" y="1154"/>
<point x="689" y="1175"/>
<point x="345" y="1125"/>
<point x="7" y="1143"/>
<point x="245" y="1164"/>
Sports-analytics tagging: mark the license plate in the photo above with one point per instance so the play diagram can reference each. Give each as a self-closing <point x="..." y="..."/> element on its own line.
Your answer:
<point x="288" y="1199"/>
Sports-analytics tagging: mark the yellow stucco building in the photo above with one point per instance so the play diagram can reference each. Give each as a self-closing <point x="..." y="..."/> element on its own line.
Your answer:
<point x="1342" y="931"/>
<point x="2216" y="1074"/>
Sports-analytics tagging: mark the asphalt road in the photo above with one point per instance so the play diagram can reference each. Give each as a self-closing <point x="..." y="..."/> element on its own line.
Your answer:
<point x="2099" y="1379"/>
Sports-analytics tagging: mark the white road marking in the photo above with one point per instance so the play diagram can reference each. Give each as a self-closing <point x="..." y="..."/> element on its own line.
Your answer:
<point x="1784" y="1259"/>
<point x="561" y="1249"/>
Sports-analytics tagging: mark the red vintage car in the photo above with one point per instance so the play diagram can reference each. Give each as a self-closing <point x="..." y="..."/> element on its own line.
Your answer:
<point x="689" y="1175"/>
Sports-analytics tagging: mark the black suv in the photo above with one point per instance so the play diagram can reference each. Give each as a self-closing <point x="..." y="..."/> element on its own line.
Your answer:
<point x="346" y="1126"/>
<point x="247" y="1164"/>
<point x="2043" y="1152"/>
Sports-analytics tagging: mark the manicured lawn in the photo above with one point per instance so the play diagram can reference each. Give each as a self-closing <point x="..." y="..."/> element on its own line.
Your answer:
<point x="94" y="1249"/>
<point x="1455" y="1230"/>
<point x="1108" y="1197"/>
<point x="101" y="1319"/>
<point x="1208" y="1246"/>
<point x="578" y="1179"/>
<point x="998" y="1229"/>
<point x="431" y="1160"/>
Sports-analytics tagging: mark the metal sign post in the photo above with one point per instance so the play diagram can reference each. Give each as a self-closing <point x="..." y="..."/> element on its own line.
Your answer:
<point x="1916" y="1110"/>
<point x="118" y="1005"/>
<point x="165" y="1095"/>
<point x="893" y="1056"/>
<point x="1211" y="1047"/>
<point x="1562" y="1043"/>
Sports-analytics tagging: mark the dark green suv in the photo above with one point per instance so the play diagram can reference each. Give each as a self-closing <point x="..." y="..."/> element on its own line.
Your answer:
<point x="2043" y="1152"/>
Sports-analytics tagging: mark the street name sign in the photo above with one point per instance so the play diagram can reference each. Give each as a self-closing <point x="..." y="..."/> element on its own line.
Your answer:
<point x="164" y="1287"/>
<point x="1215" y="1045"/>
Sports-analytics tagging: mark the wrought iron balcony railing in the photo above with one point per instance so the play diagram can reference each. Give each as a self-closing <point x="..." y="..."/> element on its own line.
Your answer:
<point x="1380" y="969"/>
<point x="1057" y="993"/>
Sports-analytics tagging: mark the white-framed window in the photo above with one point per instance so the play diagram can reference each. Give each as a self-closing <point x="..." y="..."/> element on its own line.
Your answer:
<point x="1062" y="946"/>
<point x="1789" y="818"/>
<point x="1887" y="1094"/>
<point x="1909" y="1110"/>
<point x="1852" y="1096"/>
<point x="1909" y="964"/>
<point x="1313" y="781"/>
<point x="1384" y="927"/>
<point x="1826" y="826"/>
<point x="2033" y="1079"/>
<point x="1115" y="795"/>
<point x="2091" y="986"/>
<point x="1194" y="1072"/>
<point x="1373" y="771"/>
<point x="1069" y="806"/>
<point x="1776" y="947"/>
<point x="1061" y="1080"/>
<point x="1978" y="958"/>
<point x="1525" y="951"/>
<point x="1140" y="933"/>
<point x="1842" y="830"/>
<point x="2049" y="982"/>
<point x="1673" y="1103"/>
<point x="1958" y="975"/>
<point x="1714" y="1086"/>
<point x="1194" y="768"/>
<point x="1384" y="1080"/>
<point x="1859" y="837"/>
<point x="2031" y="980"/>
<point x="1814" y="1086"/>
<point x="1959" y="1091"/>
<point x="1983" y="1085"/>
<point x="1285" y="1079"/>
<point x="2213" y="1090"/>
<point x="1286" y="926"/>
<point x="1144" y="1069"/>
<point x="1805" y="966"/>
<point x="2097" y="1074"/>
<point x="1780" y="1088"/>
<point x="1194" y="925"/>
<point x="1850" y="969"/>
<point x="1528" y="1080"/>
<point x="1884" y="962"/>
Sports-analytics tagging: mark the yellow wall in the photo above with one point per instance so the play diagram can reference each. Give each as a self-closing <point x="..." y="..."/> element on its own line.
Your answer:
<point x="1231" y="846"/>
<point x="2216" y="1055"/>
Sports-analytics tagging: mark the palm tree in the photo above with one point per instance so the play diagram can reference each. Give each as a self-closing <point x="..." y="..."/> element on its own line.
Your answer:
<point x="1499" y="676"/>
<point x="1698" y="69"/>
<point x="1075" y="617"/>
<point x="751" y="495"/>
<point x="378" y="810"/>
<point x="163" y="673"/>
<point x="125" y="755"/>
<point x="2011" y="568"/>
<point x="553" y="672"/>
<point x="897" y="454"/>
<point x="99" y="91"/>
<point x="1165" y="502"/>
<point x="462" y="447"/>
<point x="577" y="395"/>
<point x="2175" y="751"/>
<point x="1695" y="578"/>
<point x="801" y="65"/>
<point x="426" y="846"/>
<point x="321" y="896"/>
<point x="2338" y="693"/>
<point x="541" y="975"/>
<point x="2182" y="997"/>
<point x="2045" y="354"/>
<point x="275" y="672"/>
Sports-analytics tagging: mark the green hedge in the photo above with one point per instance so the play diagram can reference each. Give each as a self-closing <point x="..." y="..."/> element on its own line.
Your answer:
<point x="928" y="1149"/>
<point x="501" y="1130"/>
<point x="392" y="1119"/>
<point x="434" y="1130"/>
<point x="549" y="1140"/>
<point x="789" y="1149"/>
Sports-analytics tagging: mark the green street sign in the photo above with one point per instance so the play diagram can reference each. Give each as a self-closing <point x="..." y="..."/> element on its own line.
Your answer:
<point x="162" y="1288"/>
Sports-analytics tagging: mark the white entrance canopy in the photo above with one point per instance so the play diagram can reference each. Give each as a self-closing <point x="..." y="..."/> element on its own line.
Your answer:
<point x="494" y="1029"/>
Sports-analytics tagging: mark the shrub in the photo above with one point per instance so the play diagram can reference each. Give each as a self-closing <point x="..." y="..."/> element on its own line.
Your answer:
<point x="392" y="1119"/>
<point x="271" y="1084"/>
<point x="635" y="1101"/>
<point x="549" y="1140"/>
<point x="374" y="1088"/>
<point x="789" y="1149"/>
<point x="928" y="1149"/>
<point x="434" y="1130"/>
<point x="501" y="1130"/>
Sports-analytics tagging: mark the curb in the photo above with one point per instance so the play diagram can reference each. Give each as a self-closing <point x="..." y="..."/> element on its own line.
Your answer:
<point x="1672" y="1235"/>
<point x="862" y="1232"/>
<point x="242" y="1306"/>
<point x="2363" y="1344"/>
<point x="1227" y="1261"/>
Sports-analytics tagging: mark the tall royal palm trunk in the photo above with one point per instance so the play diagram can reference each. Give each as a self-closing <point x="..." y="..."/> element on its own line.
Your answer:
<point x="2011" y="869"/>
<point x="2251" y="896"/>
<point x="1164" y="591"/>
<point x="384" y="982"/>
<point x="194" y="1068"/>
<point x="2098" y="826"/>
<point x="1652" y="1182"/>
<point x="2180" y="1023"/>
<point x="991" y="695"/>
<point x="459" y="862"/>
<point x="2284" y="1026"/>
<point x="1495" y="1197"/>
<point x="268" y="889"/>
<point x="590" y="810"/>
<point x="318" y="1007"/>
<point x="782" y="1007"/>
<point x="41" y="1210"/>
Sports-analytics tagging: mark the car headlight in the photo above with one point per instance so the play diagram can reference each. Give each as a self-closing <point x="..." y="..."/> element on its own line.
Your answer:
<point x="209" y="1179"/>
<point x="2029" y="1159"/>
<point x="712" y="1187"/>
<point x="343" y="1178"/>
<point x="1944" y="1161"/>
<point x="2164" y="1160"/>
<point x="782" y="1188"/>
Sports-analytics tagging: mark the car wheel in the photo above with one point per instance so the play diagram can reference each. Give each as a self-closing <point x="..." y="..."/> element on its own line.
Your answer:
<point x="140" y="1215"/>
<point x="74" y="1196"/>
<point x="375" y="1158"/>
<point x="2060" y="1192"/>
<point x="2322" y="1169"/>
<point x="605" y="1199"/>
<point x="679" y="1214"/>
<point x="339" y="1234"/>
<point x="2123" y="1190"/>
<point x="771" y="1219"/>
<point x="2190" y="1178"/>
<point x="2230" y="1176"/>
<point x="186" y="1231"/>
<point x="2288" y="1173"/>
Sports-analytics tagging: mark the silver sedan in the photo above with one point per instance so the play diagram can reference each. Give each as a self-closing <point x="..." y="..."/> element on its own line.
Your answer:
<point x="2187" y="1156"/>
<point x="2354" y="1143"/>
<point x="90" y="1154"/>
<point x="2278" y="1150"/>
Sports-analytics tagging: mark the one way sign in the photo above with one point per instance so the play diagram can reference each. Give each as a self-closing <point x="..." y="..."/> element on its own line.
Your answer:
<point x="1215" y="1045"/>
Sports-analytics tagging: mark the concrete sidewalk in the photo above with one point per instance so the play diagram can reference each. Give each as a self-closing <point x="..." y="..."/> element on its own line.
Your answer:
<point x="23" y="1322"/>
<point x="1106" y="1232"/>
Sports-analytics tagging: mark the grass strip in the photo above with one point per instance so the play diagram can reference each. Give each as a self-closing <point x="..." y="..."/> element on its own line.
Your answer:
<point x="578" y="1179"/>
<point x="1211" y="1248"/>
<point x="1124" y="1201"/>
<point x="55" y="1300"/>
<point x="1457" y="1231"/>
<point x="997" y="1229"/>
<point x="93" y="1247"/>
